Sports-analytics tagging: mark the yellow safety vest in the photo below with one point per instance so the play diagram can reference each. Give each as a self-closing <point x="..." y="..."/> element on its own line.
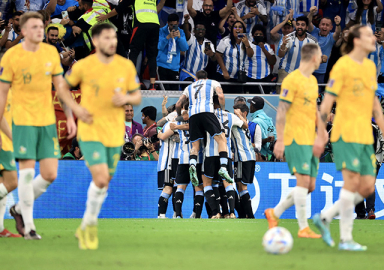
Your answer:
<point x="101" y="4"/>
<point x="146" y="11"/>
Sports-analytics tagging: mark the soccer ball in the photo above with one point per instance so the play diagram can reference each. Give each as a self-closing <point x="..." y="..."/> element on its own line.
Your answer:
<point x="277" y="240"/>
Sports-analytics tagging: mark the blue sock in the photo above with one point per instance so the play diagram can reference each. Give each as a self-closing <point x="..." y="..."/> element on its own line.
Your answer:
<point x="193" y="160"/>
<point x="207" y="188"/>
<point x="165" y="195"/>
<point x="228" y="188"/>
<point x="242" y="193"/>
<point x="180" y="190"/>
<point x="215" y="185"/>
<point x="223" y="161"/>
<point x="199" y="193"/>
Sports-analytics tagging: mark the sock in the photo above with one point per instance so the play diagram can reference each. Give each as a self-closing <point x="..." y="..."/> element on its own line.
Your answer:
<point x="346" y="214"/>
<point x="3" y="204"/>
<point x="215" y="188"/>
<point x="223" y="159"/>
<point x="239" y="208"/>
<point x="3" y="191"/>
<point x="284" y="204"/>
<point x="300" y="199"/>
<point x="26" y="198"/>
<point x="211" y="199"/>
<point x="174" y="188"/>
<point x="223" y="200"/>
<point x="94" y="202"/>
<point x="198" y="203"/>
<point x="163" y="203"/>
<point x="179" y="198"/>
<point x="334" y="210"/>
<point x="358" y="198"/>
<point x="39" y="186"/>
<point x="192" y="160"/>
<point x="245" y="201"/>
<point x="231" y="196"/>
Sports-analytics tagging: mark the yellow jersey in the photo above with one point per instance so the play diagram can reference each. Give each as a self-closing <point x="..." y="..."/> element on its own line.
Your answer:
<point x="354" y="85"/>
<point x="30" y="75"/>
<point x="301" y="92"/>
<point x="7" y="144"/>
<point x="98" y="83"/>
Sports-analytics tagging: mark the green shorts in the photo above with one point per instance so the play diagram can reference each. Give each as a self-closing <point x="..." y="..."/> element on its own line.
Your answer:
<point x="301" y="160"/>
<point x="96" y="153"/>
<point x="37" y="143"/>
<point x="354" y="157"/>
<point x="7" y="161"/>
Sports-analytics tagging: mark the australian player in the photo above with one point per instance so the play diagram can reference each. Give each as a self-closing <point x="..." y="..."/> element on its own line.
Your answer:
<point x="296" y="131"/>
<point x="31" y="67"/>
<point x="108" y="82"/>
<point x="352" y="85"/>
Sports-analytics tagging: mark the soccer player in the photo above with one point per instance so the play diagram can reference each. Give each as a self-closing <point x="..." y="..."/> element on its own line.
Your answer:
<point x="296" y="130"/>
<point x="101" y="141"/>
<point x="31" y="67"/>
<point x="352" y="84"/>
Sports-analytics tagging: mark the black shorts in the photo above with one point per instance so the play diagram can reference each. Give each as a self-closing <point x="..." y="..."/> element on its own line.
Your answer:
<point x="245" y="172"/>
<point x="201" y="123"/>
<point x="212" y="167"/>
<point x="182" y="175"/>
<point x="172" y="172"/>
<point x="164" y="179"/>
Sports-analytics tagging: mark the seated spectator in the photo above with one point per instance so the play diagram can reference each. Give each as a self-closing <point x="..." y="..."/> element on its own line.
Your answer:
<point x="74" y="153"/>
<point x="231" y="53"/>
<point x="197" y="55"/>
<point x="131" y="126"/>
<point x="366" y="13"/>
<point x="143" y="151"/>
<point x="11" y="35"/>
<point x="52" y="38"/>
<point x="171" y="42"/>
<point x="258" y="67"/>
<point x="149" y="120"/>
<point x="252" y="12"/>
<point x="227" y="22"/>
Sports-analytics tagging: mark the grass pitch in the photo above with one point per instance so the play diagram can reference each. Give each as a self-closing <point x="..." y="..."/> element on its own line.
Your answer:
<point x="185" y="244"/>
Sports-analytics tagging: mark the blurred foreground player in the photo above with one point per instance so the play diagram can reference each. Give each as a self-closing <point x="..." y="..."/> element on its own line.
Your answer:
<point x="101" y="141"/>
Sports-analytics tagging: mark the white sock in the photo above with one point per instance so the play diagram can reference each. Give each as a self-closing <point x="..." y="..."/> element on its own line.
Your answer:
<point x="3" y="191"/>
<point x="300" y="199"/>
<point x="40" y="186"/>
<point x="95" y="200"/>
<point x="358" y="198"/>
<point x="26" y="197"/>
<point x="347" y="206"/>
<point x="3" y="204"/>
<point x="284" y="204"/>
<point x="334" y="210"/>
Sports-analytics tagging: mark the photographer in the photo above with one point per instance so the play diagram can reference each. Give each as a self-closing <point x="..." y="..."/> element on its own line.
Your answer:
<point x="144" y="149"/>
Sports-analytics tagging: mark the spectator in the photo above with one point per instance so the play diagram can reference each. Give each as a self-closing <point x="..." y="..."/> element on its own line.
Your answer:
<point x="63" y="5"/>
<point x="240" y="100"/>
<point x="333" y="8"/>
<point x="366" y="13"/>
<point x="52" y="38"/>
<point x="375" y="55"/>
<point x="229" y="20"/>
<point x="325" y="38"/>
<point x="268" y="130"/>
<point x="149" y="120"/>
<point x="290" y="48"/>
<point x="171" y="42"/>
<point x="199" y="50"/>
<point x="74" y="153"/>
<point x="336" y="52"/>
<point x="196" y="5"/>
<point x="31" y="5"/>
<point x="258" y="67"/>
<point x="252" y="12"/>
<point x="231" y="53"/>
<point x="11" y="35"/>
<point x="143" y="151"/>
<point x="131" y="126"/>
<point x="380" y="78"/>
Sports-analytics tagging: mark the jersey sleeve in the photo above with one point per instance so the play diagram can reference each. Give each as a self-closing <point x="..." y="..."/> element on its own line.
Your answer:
<point x="57" y="68"/>
<point x="73" y="76"/>
<point x="288" y="91"/>
<point x="133" y="82"/>
<point x="6" y="70"/>
<point x="186" y="92"/>
<point x="236" y="121"/>
<point x="262" y="9"/>
<point x="214" y="85"/>
<point x="257" y="138"/>
<point x="221" y="47"/>
<point x="336" y="78"/>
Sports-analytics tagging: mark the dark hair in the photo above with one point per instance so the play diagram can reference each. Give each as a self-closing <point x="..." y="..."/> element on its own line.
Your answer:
<point x="308" y="51"/>
<point x="98" y="28"/>
<point x="137" y="134"/>
<point x="150" y="111"/>
<point x="171" y="108"/>
<point x="45" y="15"/>
<point x="259" y="27"/>
<point x="243" y="107"/>
<point x="232" y="36"/>
<point x="303" y="19"/>
<point x="173" y="18"/>
<point x="360" y="9"/>
<point x="17" y="13"/>
<point x="52" y="28"/>
<point x="201" y="74"/>
<point x="89" y="2"/>
<point x="354" y="32"/>
<point x="328" y="18"/>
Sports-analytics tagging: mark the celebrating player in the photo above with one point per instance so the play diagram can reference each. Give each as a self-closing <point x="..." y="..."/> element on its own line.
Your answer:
<point x="31" y="67"/>
<point x="296" y="131"/>
<point x="101" y="141"/>
<point x="352" y="84"/>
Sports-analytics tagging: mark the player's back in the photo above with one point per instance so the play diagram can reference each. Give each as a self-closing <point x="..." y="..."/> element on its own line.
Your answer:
<point x="184" y="145"/>
<point x="354" y="84"/>
<point x="242" y="144"/>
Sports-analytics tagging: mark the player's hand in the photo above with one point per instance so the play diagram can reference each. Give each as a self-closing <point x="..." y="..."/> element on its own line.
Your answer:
<point x="278" y="150"/>
<point x="165" y="100"/>
<point x="71" y="128"/>
<point x="324" y="58"/>
<point x="101" y="18"/>
<point x="318" y="146"/>
<point x="337" y="19"/>
<point x="76" y="30"/>
<point x="83" y="114"/>
<point x="313" y="10"/>
<point x="70" y="9"/>
<point x="237" y="112"/>
<point x="226" y="75"/>
<point x="173" y="126"/>
<point x="119" y="99"/>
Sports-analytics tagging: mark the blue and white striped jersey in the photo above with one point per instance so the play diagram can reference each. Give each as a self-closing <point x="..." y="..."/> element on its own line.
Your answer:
<point x="364" y="18"/>
<point x="195" y="58"/>
<point x="243" y="146"/>
<point x="291" y="59"/>
<point x="231" y="57"/>
<point x="229" y="121"/>
<point x="163" y="161"/>
<point x="173" y="149"/>
<point x="243" y="10"/>
<point x="200" y="96"/>
<point x="375" y="57"/>
<point x="257" y="66"/>
<point x="184" y="145"/>
<point x="305" y="5"/>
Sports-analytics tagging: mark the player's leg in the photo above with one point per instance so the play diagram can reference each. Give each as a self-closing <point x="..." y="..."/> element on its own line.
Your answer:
<point x="179" y="199"/>
<point x="223" y="153"/>
<point x="193" y="162"/>
<point x="223" y="200"/>
<point x="247" y="171"/>
<point x="238" y="206"/>
<point x="230" y="192"/>
<point x="199" y="193"/>
<point x="163" y="199"/>
<point x="48" y="174"/>
<point x="210" y="171"/>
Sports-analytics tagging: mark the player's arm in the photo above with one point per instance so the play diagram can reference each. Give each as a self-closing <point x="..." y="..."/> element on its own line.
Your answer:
<point x="5" y="128"/>
<point x="175" y="126"/>
<point x="220" y="94"/>
<point x="163" y="136"/>
<point x="280" y="125"/>
<point x="181" y="101"/>
<point x="4" y="88"/>
<point x="238" y="114"/>
<point x="378" y="114"/>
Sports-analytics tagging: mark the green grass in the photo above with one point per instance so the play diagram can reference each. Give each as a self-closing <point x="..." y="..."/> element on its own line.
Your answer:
<point x="185" y="244"/>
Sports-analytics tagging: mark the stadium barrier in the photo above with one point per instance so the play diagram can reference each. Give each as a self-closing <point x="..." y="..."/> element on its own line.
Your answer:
<point x="133" y="191"/>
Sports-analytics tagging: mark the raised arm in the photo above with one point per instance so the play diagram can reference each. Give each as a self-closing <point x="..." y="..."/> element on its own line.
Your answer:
<point x="379" y="6"/>
<point x="160" y="5"/>
<point x="190" y="9"/>
<point x="220" y="94"/>
<point x="186" y="26"/>
<point x="227" y="8"/>
<point x="179" y="103"/>
<point x="312" y="12"/>
<point x="275" y="31"/>
<point x="337" y="33"/>
<point x="51" y="7"/>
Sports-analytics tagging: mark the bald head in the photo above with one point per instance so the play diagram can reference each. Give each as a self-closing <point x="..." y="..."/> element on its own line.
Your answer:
<point x="207" y="7"/>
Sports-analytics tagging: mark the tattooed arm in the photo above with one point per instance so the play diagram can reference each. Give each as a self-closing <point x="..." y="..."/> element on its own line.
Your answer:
<point x="280" y="125"/>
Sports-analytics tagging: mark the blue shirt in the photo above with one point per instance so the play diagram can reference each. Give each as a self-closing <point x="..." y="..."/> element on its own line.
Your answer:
<point x="33" y="5"/>
<point x="59" y="9"/>
<point x="326" y="44"/>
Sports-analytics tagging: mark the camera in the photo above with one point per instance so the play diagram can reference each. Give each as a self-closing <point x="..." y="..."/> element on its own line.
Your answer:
<point x="153" y="139"/>
<point x="6" y="22"/>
